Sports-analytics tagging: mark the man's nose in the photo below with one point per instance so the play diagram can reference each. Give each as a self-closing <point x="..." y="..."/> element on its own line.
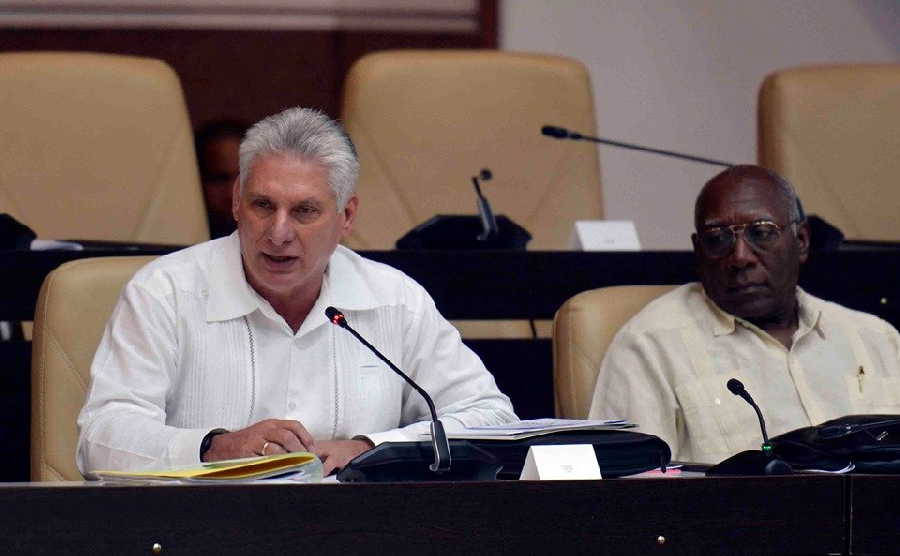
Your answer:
<point x="743" y="254"/>
<point x="280" y="231"/>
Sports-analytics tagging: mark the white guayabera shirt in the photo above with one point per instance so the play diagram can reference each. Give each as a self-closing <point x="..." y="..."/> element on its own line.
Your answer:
<point x="667" y="368"/>
<point x="191" y="347"/>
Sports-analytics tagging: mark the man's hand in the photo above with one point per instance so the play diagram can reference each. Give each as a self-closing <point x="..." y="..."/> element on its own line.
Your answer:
<point x="272" y="436"/>
<point x="335" y="454"/>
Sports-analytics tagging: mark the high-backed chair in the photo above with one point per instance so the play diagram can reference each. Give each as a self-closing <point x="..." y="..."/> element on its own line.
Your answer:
<point x="833" y="132"/>
<point x="424" y="122"/>
<point x="98" y="146"/>
<point x="582" y="331"/>
<point x="72" y="309"/>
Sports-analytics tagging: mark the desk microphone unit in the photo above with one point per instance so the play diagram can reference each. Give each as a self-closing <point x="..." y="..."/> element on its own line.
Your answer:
<point x="563" y="133"/>
<point x="464" y="231"/>
<point x="407" y="461"/>
<point x="751" y="462"/>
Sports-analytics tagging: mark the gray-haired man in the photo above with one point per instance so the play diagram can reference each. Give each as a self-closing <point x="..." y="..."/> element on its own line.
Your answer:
<point x="222" y="350"/>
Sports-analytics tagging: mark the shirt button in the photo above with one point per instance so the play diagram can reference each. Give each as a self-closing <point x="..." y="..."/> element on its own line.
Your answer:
<point x="292" y="406"/>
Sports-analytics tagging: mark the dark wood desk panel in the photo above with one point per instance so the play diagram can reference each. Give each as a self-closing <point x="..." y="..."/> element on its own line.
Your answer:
<point x="216" y="66"/>
<point x="22" y="273"/>
<point x="875" y="502"/>
<point x="803" y="514"/>
<point x="530" y="284"/>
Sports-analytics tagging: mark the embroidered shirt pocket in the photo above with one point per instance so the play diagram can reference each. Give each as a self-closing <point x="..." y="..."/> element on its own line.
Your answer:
<point x="873" y="394"/>
<point x="717" y="423"/>
<point x="370" y="379"/>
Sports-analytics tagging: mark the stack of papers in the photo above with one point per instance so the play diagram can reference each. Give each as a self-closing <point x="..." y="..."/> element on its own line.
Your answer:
<point x="536" y="427"/>
<point x="295" y="466"/>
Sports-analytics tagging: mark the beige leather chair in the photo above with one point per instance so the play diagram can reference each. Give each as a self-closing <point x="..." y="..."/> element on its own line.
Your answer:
<point x="98" y="146"/>
<point x="424" y="122"/>
<point x="582" y="331"/>
<point x="73" y="307"/>
<point x="833" y="132"/>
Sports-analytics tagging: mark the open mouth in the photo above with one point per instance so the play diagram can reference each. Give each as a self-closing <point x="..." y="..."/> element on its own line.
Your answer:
<point x="278" y="260"/>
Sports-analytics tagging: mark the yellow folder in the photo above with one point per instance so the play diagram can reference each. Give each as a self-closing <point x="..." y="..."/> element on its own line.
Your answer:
<point x="242" y="469"/>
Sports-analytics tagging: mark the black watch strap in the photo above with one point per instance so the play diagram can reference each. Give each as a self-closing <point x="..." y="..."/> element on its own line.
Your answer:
<point x="206" y="443"/>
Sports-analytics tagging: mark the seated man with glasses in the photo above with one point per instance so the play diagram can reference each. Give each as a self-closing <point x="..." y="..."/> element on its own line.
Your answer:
<point x="805" y="360"/>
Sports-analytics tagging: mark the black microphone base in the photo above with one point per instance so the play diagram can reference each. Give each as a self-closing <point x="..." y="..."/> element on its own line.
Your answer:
<point x="461" y="231"/>
<point x="410" y="461"/>
<point x="751" y="462"/>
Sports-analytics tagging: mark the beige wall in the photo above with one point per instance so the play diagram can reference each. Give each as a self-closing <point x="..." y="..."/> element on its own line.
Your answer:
<point x="683" y="75"/>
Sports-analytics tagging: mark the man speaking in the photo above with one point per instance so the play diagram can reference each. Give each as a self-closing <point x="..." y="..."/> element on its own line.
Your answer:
<point x="223" y="350"/>
<point x="803" y="359"/>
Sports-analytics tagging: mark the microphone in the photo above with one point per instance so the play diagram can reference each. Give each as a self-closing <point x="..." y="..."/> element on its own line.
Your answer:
<point x="488" y="222"/>
<point x="563" y="133"/>
<point x="468" y="231"/>
<point x="751" y="462"/>
<point x="737" y="388"/>
<point x="558" y="132"/>
<point x="439" y="441"/>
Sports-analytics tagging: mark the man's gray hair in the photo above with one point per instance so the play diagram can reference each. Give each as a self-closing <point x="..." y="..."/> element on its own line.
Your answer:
<point x="306" y="133"/>
<point x="797" y="213"/>
<point x="795" y="207"/>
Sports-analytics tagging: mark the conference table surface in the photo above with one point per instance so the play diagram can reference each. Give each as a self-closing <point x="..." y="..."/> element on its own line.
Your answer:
<point x="808" y="514"/>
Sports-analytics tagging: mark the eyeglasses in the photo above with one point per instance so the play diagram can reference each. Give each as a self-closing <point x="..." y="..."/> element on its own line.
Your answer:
<point x="718" y="241"/>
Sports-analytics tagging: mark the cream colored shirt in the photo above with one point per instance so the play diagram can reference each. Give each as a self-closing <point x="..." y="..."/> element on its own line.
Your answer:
<point x="666" y="370"/>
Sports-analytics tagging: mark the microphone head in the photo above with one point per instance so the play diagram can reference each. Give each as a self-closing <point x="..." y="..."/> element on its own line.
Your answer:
<point x="735" y="386"/>
<point x="553" y="131"/>
<point x="335" y="316"/>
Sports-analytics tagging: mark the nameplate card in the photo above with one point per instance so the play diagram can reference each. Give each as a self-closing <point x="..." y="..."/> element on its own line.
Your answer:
<point x="560" y="462"/>
<point x="605" y="235"/>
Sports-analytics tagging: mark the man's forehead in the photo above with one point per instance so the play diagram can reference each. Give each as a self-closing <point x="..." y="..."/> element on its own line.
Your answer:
<point x="289" y="176"/>
<point x="740" y="199"/>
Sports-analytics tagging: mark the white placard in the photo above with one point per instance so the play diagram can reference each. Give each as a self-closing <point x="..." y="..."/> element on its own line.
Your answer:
<point x="560" y="462"/>
<point x="605" y="235"/>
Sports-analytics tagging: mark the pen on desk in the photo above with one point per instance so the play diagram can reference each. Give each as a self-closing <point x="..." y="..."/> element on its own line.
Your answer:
<point x="859" y="377"/>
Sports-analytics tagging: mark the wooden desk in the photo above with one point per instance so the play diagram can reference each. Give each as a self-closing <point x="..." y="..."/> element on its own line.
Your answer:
<point x="875" y="524"/>
<point x="800" y="514"/>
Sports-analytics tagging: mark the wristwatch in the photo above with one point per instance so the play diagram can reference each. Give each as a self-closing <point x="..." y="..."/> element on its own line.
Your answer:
<point x="206" y="443"/>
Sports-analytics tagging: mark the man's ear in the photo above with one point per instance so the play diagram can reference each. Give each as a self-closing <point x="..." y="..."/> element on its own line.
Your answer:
<point x="350" y="209"/>
<point x="235" y="198"/>
<point x="803" y="238"/>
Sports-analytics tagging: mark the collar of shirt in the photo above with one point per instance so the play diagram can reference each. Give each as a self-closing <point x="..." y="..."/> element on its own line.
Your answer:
<point x="231" y="296"/>
<point x="809" y="316"/>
